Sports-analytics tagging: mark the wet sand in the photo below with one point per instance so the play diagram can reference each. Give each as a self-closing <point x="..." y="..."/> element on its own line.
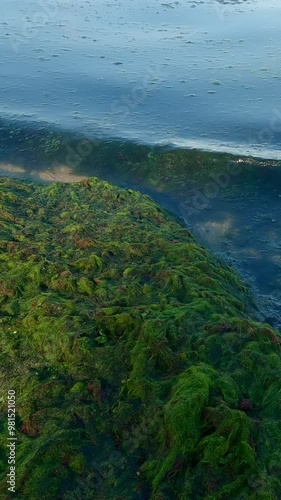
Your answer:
<point x="60" y="173"/>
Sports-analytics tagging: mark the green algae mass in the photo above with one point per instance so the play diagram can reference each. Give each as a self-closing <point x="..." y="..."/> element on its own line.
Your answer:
<point x="139" y="368"/>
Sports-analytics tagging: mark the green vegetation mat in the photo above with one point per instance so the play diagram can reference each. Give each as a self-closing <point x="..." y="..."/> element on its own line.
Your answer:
<point x="138" y="366"/>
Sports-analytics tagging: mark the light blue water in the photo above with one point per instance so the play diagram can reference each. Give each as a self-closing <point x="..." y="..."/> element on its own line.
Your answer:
<point x="201" y="74"/>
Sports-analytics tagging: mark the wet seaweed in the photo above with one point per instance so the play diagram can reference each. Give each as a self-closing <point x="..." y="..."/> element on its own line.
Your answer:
<point x="139" y="367"/>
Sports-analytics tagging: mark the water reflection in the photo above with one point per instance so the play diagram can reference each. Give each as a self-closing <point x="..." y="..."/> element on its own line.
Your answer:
<point x="243" y="226"/>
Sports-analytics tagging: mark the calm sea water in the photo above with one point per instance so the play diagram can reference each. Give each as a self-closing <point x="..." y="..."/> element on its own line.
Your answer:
<point x="191" y="73"/>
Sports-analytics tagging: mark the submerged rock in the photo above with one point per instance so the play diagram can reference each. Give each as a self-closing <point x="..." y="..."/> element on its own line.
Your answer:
<point x="138" y="366"/>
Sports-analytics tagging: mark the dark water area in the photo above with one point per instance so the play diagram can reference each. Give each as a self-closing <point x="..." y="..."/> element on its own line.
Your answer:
<point x="134" y="92"/>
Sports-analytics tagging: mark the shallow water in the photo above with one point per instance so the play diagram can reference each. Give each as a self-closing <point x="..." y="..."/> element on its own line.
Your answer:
<point x="202" y="74"/>
<point x="244" y="229"/>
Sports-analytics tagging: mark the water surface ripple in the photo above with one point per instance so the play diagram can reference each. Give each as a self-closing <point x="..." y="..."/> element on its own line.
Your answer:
<point x="202" y="74"/>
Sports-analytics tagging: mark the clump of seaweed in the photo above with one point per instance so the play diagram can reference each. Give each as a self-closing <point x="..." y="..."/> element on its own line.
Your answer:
<point x="138" y="365"/>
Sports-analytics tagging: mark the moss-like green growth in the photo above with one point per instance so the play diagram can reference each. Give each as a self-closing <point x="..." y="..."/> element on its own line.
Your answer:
<point x="139" y="369"/>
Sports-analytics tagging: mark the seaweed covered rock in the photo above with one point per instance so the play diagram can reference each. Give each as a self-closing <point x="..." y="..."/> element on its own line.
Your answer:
<point x="138" y="366"/>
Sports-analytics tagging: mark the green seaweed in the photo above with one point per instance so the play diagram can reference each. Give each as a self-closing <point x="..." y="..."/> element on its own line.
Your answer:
<point x="139" y="367"/>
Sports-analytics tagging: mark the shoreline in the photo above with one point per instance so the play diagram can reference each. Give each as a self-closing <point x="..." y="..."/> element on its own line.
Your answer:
<point x="270" y="307"/>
